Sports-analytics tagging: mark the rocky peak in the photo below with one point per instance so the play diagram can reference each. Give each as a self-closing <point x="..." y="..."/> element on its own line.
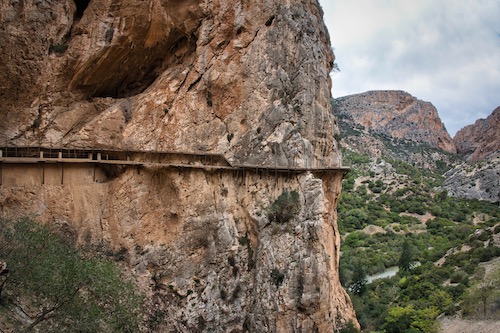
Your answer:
<point x="396" y="114"/>
<point x="480" y="140"/>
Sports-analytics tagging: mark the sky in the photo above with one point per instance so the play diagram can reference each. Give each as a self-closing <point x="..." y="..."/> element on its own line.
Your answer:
<point x="446" y="52"/>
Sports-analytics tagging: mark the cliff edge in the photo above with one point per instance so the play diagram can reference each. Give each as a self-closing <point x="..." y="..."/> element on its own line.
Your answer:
<point x="246" y="81"/>
<point x="480" y="140"/>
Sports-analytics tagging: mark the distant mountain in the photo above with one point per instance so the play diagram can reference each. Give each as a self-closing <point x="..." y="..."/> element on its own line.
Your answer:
<point x="396" y="114"/>
<point x="479" y="176"/>
<point x="408" y="186"/>
<point x="395" y="125"/>
<point x="480" y="140"/>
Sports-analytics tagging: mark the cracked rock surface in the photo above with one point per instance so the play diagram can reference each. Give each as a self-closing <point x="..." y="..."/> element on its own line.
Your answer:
<point x="248" y="80"/>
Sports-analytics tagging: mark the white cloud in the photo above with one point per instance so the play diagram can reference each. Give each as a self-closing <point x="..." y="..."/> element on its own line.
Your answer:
<point x="446" y="52"/>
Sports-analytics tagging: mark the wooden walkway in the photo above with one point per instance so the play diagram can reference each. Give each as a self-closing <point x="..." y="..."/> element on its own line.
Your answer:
<point x="148" y="159"/>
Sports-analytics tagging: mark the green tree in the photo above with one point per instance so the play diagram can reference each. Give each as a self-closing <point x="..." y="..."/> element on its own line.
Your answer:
<point x="483" y="293"/>
<point x="348" y="328"/>
<point x="440" y="299"/>
<point x="407" y="319"/>
<point x="358" y="285"/>
<point x="406" y="258"/>
<point x="58" y="289"/>
<point x="399" y="319"/>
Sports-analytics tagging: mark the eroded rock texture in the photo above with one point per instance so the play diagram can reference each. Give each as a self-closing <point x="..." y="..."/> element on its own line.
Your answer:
<point x="479" y="180"/>
<point x="170" y="75"/>
<point x="480" y="140"/>
<point x="398" y="115"/>
<point x="479" y="177"/>
<point x="248" y="80"/>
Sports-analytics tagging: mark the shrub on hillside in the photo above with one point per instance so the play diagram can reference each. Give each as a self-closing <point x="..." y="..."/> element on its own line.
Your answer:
<point x="58" y="288"/>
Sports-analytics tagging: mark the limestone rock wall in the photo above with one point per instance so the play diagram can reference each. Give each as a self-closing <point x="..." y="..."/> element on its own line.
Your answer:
<point x="203" y="247"/>
<point x="479" y="180"/>
<point x="248" y="80"/>
<point x="478" y="177"/>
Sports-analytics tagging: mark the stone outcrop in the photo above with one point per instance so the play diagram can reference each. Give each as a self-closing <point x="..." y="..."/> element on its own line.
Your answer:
<point x="481" y="140"/>
<point x="246" y="80"/>
<point x="396" y="114"/>
<point x="479" y="180"/>
<point x="385" y="124"/>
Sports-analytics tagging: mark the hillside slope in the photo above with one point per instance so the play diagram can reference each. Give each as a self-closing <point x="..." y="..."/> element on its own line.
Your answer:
<point x="387" y="203"/>
<point x="395" y="198"/>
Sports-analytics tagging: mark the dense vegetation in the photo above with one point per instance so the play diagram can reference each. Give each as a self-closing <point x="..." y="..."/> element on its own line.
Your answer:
<point x="392" y="213"/>
<point x="48" y="285"/>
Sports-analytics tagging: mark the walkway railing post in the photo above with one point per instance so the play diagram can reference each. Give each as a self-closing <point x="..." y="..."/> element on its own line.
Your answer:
<point x="43" y="173"/>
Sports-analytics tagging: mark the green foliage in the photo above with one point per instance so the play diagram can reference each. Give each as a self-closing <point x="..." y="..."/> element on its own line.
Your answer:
<point x="348" y="328"/>
<point x="61" y="290"/>
<point x="285" y="207"/>
<point x="406" y="259"/>
<point x="407" y="319"/>
<point x="459" y="277"/>
<point x="387" y="202"/>
<point x="483" y="297"/>
<point x="358" y="285"/>
<point x="353" y="158"/>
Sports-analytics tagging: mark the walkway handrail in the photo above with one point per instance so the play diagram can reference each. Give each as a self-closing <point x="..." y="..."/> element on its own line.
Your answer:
<point x="27" y="154"/>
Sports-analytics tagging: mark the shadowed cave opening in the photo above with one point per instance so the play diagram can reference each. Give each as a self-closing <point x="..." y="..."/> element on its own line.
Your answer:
<point x="116" y="79"/>
<point x="81" y="5"/>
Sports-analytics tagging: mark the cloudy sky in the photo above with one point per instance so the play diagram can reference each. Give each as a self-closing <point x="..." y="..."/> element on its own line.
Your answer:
<point x="443" y="51"/>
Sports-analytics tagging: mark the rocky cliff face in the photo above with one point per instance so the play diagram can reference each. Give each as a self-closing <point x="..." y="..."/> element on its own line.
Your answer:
<point x="394" y="125"/>
<point x="170" y="75"/>
<point x="480" y="140"/>
<point x="396" y="114"/>
<point x="245" y="80"/>
<point x="478" y="177"/>
<point x="479" y="180"/>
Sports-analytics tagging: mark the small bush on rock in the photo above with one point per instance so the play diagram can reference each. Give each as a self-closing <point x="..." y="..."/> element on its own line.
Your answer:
<point x="285" y="207"/>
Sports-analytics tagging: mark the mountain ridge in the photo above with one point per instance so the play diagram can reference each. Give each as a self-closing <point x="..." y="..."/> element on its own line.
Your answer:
<point x="398" y="114"/>
<point x="382" y="125"/>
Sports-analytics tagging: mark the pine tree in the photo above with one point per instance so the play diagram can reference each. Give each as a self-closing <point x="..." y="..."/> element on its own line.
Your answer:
<point x="358" y="285"/>
<point x="406" y="258"/>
